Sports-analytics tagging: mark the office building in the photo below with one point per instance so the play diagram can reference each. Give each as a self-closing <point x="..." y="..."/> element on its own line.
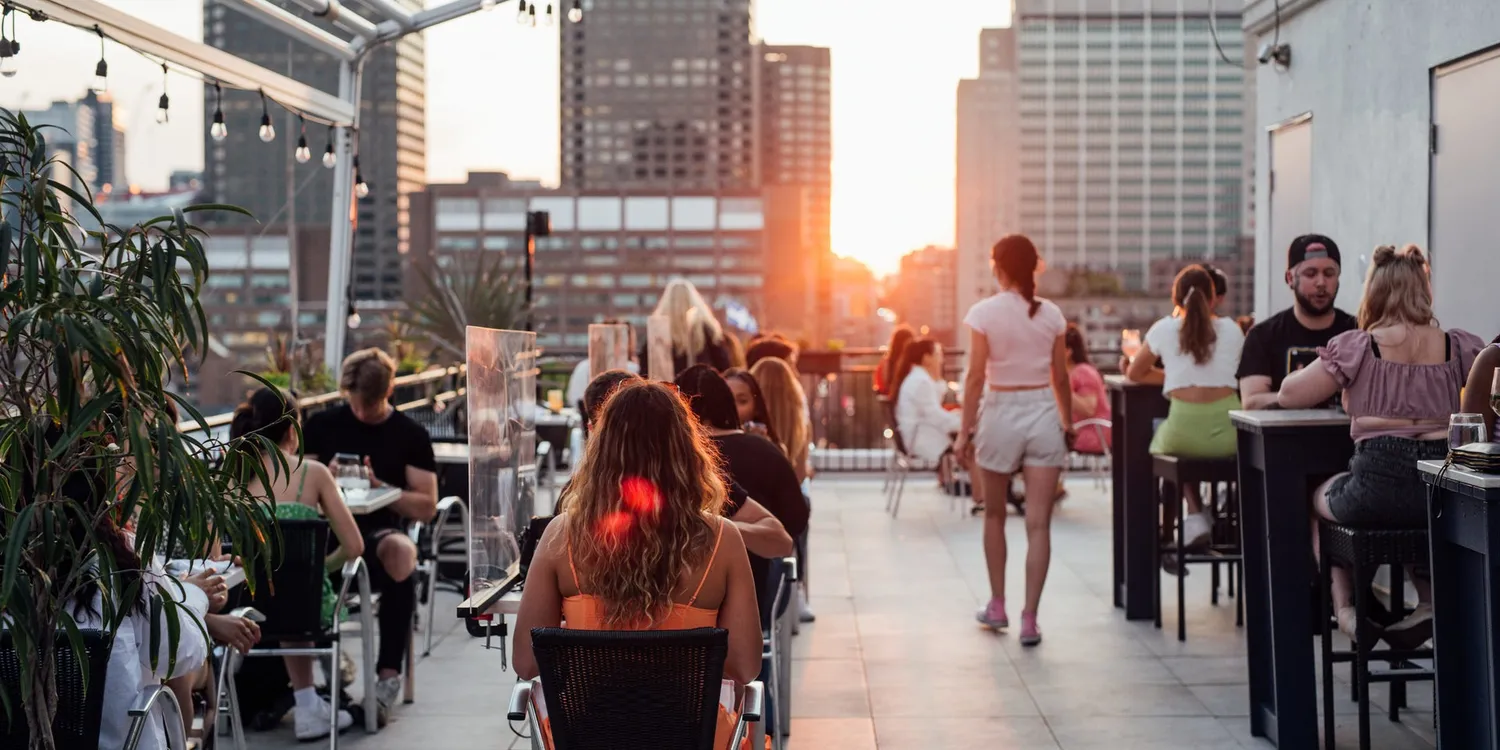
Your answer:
<point x="987" y="199"/>
<point x="243" y="171"/>
<point x="922" y="296"/>
<point x="796" y="169"/>
<point x="69" y="132"/>
<point x="659" y="96"/>
<point x="609" y="254"/>
<point x="1132" y="131"/>
<point x="109" y="143"/>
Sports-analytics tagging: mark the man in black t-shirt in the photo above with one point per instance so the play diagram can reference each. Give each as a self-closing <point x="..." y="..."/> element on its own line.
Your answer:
<point x="1289" y="340"/>
<point x="398" y="452"/>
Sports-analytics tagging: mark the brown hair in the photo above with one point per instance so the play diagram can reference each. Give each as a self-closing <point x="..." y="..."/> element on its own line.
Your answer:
<point x="1397" y="289"/>
<point x="367" y="376"/>
<point x="1078" y="349"/>
<point x="786" y="406"/>
<point x="892" y="359"/>
<point x="1016" y="257"/>
<point x="1193" y="291"/>
<point x="643" y="505"/>
<point x="911" y="357"/>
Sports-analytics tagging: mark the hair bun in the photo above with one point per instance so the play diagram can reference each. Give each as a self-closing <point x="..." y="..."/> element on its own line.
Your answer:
<point x="1383" y="255"/>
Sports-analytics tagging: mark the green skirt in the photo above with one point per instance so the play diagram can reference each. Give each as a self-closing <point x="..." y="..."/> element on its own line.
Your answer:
<point x="1197" y="430"/>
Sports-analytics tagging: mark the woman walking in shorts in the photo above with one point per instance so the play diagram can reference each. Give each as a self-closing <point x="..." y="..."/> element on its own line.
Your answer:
<point x="1018" y="370"/>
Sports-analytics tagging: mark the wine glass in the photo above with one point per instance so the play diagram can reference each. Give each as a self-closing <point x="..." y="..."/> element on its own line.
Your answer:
<point x="1130" y="342"/>
<point x="1464" y="429"/>
<point x="351" y="476"/>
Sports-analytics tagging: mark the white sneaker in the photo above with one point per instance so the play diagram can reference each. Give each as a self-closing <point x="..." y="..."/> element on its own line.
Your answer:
<point x="1195" y="531"/>
<point x="313" y="720"/>
<point x="387" y="694"/>
<point x="804" y="610"/>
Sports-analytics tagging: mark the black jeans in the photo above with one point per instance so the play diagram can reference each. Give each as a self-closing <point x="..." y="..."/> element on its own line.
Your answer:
<point x="398" y="604"/>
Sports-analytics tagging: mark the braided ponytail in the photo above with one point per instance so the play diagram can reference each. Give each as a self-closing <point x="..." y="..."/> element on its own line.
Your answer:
<point x="1017" y="259"/>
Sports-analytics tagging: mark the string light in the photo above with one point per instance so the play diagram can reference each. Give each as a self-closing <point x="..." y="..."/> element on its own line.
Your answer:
<point x="329" y="157"/>
<point x="267" y="132"/>
<point x="361" y="188"/>
<point x="218" y="130"/>
<point x="549" y="20"/>
<point x="9" y="48"/>
<point x="162" y="103"/>
<point x="521" y="12"/>
<point x="575" y="14"/>
<point x="303" y="153"/>
<point x="101" y="71"/>
<point x="532" y="12"/>
<point x="353" y="319"/>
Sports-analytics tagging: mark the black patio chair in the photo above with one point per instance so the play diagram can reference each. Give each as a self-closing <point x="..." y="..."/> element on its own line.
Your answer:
<point x="629" y="690"/>
<point x="76" y="725"/>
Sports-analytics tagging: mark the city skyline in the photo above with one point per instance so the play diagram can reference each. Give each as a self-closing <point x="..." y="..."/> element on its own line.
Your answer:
<point x="894" y="120"/>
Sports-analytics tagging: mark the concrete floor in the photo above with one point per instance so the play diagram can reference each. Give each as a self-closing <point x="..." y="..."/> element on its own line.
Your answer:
<point x="896" y="661"/>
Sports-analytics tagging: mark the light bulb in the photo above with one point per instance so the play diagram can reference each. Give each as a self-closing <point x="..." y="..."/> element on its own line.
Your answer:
<point x="101" y="77"/>
<point x="303" y="153"/>
<point x="267" y="132"/>
<point x="521" y="12"/>
<point x="532" y="12"/>
<point x="8" y="50"/>
<point x="353" y="320"/>
<point x="361" y="188"/>
<point x="330" y="158"/>
<point x="575" y="14"/>
<point x="219" y="131"/>
<point x="161" y="110"/>
<point x="549" y="19"/>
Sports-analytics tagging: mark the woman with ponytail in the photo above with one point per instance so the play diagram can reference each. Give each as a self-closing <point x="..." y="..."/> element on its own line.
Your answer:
<point x="1018" y="371"/>
<point x="1199" y="353"/>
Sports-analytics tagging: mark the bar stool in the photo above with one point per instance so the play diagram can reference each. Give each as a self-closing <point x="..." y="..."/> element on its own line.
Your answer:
<point x="1172" y="473"/>
<point x="1362" y="551"/>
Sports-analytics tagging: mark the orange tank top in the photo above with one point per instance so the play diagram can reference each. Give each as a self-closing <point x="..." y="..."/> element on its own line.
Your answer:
<point x="585" y="612"/>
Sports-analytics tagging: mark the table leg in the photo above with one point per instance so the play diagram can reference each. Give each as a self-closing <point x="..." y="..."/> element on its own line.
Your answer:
<point x="1257" y="590"/>
<point x="1288" y="541"/>
<point x="1142" y="518"/>
<point x="1466" y="689"/>
<point x="1117" y="497"/>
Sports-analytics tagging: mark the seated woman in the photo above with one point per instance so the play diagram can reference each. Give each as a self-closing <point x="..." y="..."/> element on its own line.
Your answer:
<point x="1199" y="353"/>
<point x="610" y="562"/>
<point x="788" y="419"/>
<point x="927" y="429"/>
<point x="885" y="371"/>
<point x="1401" y="375"/>
<point x="749" y="402"/>
<point x="1089" y="399"/>
<point x="1476" y="397"/>
<point x="306" y="492"/>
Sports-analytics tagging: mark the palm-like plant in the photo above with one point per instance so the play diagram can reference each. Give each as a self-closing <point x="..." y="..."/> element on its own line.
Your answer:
<point x="90" y="327"/>
<point x="483" y="293"/>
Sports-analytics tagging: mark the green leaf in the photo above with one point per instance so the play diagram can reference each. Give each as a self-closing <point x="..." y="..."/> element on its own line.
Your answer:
<point x="16" y="538"/>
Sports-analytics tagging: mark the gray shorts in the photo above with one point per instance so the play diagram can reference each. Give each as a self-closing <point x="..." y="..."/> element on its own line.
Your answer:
<point x="1383" y="488"/>
<point x="1019" y="428"/>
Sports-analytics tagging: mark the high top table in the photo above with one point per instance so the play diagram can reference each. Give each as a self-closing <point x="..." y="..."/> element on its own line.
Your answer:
<point x="1283" y="456"/>
<point x="1464" y="527"/>
<point x="1134" y="407"/>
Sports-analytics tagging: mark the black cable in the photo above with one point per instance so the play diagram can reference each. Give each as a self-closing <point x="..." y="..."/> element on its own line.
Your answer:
<point x="1213" y="30"/>
<point x="1276" y="40"/>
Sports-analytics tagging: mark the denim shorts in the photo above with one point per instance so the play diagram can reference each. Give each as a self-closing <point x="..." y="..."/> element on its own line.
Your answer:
<point x="1383" y="488"/>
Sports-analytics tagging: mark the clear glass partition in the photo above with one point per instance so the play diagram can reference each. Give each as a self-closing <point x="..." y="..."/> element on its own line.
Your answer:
<point x="502" y="453"/>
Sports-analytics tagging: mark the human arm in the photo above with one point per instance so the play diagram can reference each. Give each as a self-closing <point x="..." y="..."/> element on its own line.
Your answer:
<point x="979" y="354"/>
<point x="1143" y="369"/>
<point x="1307" y="387"/>
<point x="1476" y="398"/>
<point x="340" y="520"/>
<point x="928" y="404"/>
<point x="238" y="633"/>
<point x="1256" y="393"/>
<point x="762" y="534"/>
<point x="1062" y="388"/>
<point x="1256" y="371"/>
<point x="191" y="599"/>
<point x="1084" y="403"/>
<point x="739" y="613"/>
<point x="541" y="600"/>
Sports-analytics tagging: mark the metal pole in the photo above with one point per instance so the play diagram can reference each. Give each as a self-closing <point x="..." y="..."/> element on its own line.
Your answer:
<point x="341" y="240"/>
<point x="530" y="255"/>
<point x="291" y="243"/>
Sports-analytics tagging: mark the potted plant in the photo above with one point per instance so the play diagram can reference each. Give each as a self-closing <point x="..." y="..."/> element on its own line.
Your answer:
<point x="91" y="325"/>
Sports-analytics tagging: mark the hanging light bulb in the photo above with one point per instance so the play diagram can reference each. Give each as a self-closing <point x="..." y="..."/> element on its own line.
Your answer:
<point x="575" y="13"/>
<point x="162" y="103"/>
<point x="218" y="130"/>
<point x="549" y="19"/>
<point x="521" y="12"/>
<point x="353" y="319"/>
<point x="329" y="157"/>
<point x="9" y="48"/>
<point x="303" y="154"/>
<point x="101" y="71"/>
<point x="267" y="132"/>
<point x="532" y="12"/>
<point x="361" y="188"/>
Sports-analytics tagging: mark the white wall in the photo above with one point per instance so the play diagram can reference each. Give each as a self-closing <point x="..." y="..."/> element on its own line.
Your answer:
<point x="1363" y="70"/>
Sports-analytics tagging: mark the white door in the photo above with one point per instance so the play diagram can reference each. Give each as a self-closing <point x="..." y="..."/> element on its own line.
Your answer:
<point x="1290" y="186"/>
<point x="1465" y="201"/>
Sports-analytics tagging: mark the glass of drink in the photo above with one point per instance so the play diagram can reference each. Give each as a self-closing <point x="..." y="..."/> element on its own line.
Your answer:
<point x="1130" y="342"/>
<point x="1464" y="429"/>
<point x="555" y="400"/>
<point x="350" y="474"/>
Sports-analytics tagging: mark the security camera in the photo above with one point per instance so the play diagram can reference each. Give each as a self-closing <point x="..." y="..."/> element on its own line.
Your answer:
<point x="1281" y="54"/>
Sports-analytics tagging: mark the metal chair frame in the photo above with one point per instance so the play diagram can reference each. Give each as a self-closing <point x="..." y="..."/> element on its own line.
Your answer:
<point x="430" y="558"/>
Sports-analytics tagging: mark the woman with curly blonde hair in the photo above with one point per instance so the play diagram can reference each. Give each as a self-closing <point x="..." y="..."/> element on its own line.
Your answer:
<point x="640" y="544"/>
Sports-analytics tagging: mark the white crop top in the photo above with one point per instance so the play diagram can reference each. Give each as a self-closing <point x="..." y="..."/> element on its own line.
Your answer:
<point x="1181" y="370"/>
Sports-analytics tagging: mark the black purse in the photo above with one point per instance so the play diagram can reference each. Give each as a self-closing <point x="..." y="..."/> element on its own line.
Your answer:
<point x="529" y="540"/>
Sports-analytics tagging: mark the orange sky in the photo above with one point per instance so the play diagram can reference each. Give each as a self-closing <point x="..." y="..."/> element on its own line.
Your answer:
<point x="492" y="102"/>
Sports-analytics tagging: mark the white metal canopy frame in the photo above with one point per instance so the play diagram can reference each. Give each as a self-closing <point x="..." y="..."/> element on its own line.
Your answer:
<point x="391" y="22"/>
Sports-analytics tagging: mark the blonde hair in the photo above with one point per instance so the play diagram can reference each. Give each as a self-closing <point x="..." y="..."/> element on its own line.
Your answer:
<point x="367" y="376"/>
<point x="693" y="322"/>
<point x="1398" y="289"/>
<point x="786" y="408"/>
<point x="643" y="505"/>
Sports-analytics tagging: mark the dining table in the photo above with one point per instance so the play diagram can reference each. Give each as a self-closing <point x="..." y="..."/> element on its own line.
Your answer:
<point x="365" y="502"/>
<point x="1283" y="456"/>
<point x="1134" y="408"/>
<point x="1465" y="542"/>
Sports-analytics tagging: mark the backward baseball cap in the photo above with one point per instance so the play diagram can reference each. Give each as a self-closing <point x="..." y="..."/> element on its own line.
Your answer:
<point x="1312" y="246"/>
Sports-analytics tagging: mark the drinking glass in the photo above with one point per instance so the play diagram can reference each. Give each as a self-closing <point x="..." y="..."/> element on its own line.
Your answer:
<point x="1130" y="342"/>
<point x="1464" y="429"/>
<point x="350" y="474"/>
<point x="555" y="400"/>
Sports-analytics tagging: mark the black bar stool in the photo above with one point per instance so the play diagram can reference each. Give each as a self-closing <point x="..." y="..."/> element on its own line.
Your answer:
<point x="1362" y="551"/>
<point x="1171" y="474"/>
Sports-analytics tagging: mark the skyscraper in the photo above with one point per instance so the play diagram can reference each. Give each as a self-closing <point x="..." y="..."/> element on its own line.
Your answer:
<point x="1132" y="126"/>
<point x="988" y="169"/>
<point x="243" y="171"/>
<point x="796" y="136"/>
<point x="109" y="144"/>
<point x="659" y="95"/>
<point x="70" y="138"/>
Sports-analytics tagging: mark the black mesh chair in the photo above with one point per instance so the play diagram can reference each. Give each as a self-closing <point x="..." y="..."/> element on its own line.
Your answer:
<point x="627" y="690"/>
<point x="76" y="725"/>
<point x="292" y="602"/>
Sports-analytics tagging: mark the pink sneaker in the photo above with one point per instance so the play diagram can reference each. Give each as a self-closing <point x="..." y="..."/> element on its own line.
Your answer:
<point x="1030" y="634"/>
<point x="993" y="615"/>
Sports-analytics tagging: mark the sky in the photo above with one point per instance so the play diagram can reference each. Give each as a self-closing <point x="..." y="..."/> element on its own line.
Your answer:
<point x="492" y="102"/>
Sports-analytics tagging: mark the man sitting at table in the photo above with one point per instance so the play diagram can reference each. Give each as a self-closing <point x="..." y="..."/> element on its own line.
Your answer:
<point x="1289" y="340"/>
<point x="398" y="452"/>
